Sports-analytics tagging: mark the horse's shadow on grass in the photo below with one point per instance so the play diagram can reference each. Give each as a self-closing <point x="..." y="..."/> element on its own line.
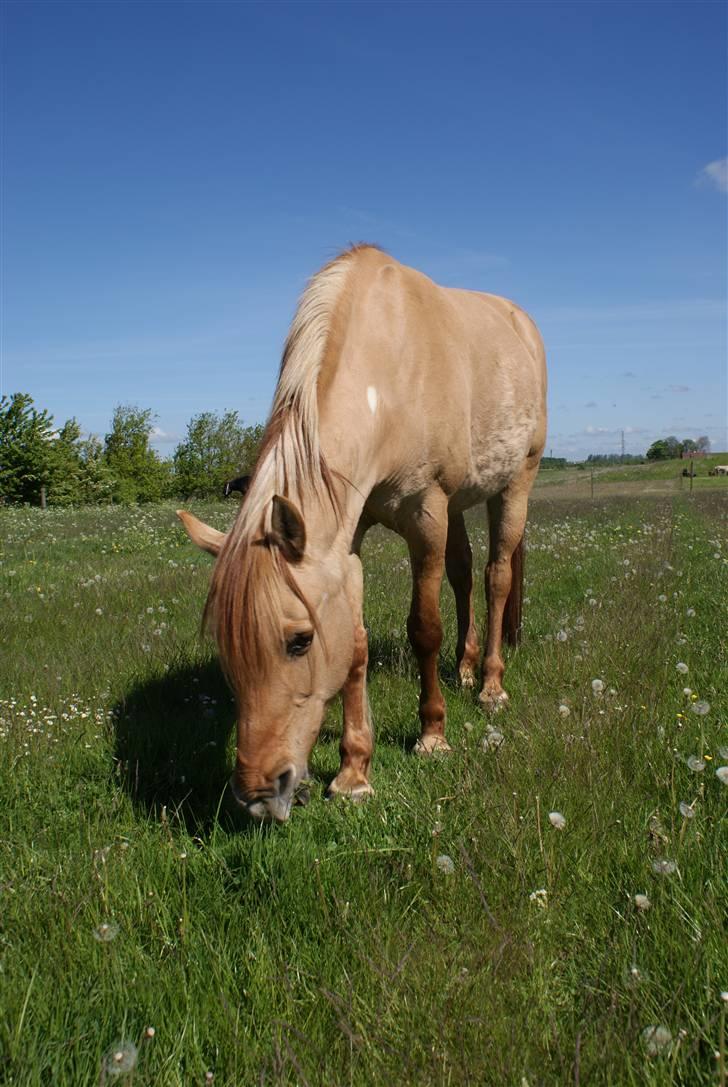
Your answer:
<point x="172" y="742"/>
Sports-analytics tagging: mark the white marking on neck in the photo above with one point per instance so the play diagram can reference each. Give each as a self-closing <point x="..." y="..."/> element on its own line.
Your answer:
<point x="372" y="399"/>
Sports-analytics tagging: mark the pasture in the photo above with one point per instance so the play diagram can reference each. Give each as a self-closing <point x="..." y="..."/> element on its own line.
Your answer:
<point x="453" y="929"/>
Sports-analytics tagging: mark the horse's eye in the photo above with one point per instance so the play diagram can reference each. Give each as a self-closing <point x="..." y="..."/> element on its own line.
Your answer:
<point x="299" y="644"/>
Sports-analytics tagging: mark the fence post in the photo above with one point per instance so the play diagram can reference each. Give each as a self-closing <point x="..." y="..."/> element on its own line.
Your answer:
<point x="43" y="496"/>
<point x="592" y="481"/>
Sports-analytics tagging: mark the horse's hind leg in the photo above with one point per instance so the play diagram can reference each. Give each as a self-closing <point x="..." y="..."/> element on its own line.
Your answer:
<point x="426" y="535"/>
<point x="459" y="567"/>
<point x="507" y="521"/>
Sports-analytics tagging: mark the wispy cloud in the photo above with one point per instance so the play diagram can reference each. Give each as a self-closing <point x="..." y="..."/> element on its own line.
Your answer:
<point x="163" y="437"/>
<point x="591" y="404"/>
<point x="678" y="388"/>
<point x="715" y="174"/>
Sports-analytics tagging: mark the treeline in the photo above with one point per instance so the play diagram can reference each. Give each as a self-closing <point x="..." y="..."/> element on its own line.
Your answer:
<point x="40" y="461"/>
<point x="669" y="448"/>
<point x="607" y="459"/>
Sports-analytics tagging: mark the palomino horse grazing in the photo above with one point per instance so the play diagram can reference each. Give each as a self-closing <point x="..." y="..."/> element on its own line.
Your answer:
<point x="400" y="403"/>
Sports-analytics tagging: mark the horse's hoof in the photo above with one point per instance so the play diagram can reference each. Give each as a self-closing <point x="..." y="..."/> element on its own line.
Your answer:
<point x="431" y="745"/>
<point x="355" y="793"/>
<point x="467" y="677"/>
<point x="493" y="701"/>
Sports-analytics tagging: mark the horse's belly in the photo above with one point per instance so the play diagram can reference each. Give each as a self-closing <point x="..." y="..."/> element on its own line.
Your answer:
<point x="495" y="462"/>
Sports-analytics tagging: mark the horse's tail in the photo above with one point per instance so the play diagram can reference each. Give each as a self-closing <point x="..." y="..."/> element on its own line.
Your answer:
<point x="513" y="612"/>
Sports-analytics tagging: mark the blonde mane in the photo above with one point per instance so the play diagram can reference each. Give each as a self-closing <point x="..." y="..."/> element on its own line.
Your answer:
<point x="244" y="602"/>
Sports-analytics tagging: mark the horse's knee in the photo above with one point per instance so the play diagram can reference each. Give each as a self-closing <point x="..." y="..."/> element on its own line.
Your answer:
<point x="425" y="634"/>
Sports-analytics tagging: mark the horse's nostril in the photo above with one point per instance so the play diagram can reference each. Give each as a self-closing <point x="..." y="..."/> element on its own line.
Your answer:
<point x="284" y="781"/>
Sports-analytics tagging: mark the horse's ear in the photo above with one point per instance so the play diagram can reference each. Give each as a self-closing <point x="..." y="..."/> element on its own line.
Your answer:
<point x="206" y="537"/>
<point x="287" y="529"/>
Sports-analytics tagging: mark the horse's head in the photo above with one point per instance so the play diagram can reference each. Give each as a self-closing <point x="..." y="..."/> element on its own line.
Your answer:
<point x="284" y="617"/>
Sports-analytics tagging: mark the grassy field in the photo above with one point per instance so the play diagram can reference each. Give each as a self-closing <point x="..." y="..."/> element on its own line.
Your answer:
<point x="661" y="476"/>
<point x="148" y="935"/>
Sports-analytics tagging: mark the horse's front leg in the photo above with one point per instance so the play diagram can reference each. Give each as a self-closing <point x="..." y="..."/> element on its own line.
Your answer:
<point x="426" y="537"/>
<point x="357" y="740"/>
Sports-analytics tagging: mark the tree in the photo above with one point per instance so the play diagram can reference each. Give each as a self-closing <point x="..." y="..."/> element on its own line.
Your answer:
<point x="674" y="447"/>
<point x="138" y="472"/>
<point x="26" y="437"/>
<point x="216" y="448"/>
<point x="688" y="445"/>
<point x="658" y="450"/>
<point x="703" y="444"/>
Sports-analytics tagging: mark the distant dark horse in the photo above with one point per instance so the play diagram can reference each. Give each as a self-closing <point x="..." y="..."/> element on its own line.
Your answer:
<point x="241" y="484"/>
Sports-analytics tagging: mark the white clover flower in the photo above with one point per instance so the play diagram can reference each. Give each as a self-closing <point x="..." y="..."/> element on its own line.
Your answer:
<point x="656" y="1040"/>
<point x="445" y="864"/>
<point x="695" y="763"/>
<point x="642" y="902"/>
<point x="597" y="686"/>
<point x="557" y="820"/>
<point x="682" y="668"/>
<point x="664" y="867"/>
<point x="687" y="810"/>
<point x="722" y="774"/>
<point x="701" y="708"/>
<point x="662" y="598"/>
<point x="120" y="1059"/>
<point x="539" y="898"/>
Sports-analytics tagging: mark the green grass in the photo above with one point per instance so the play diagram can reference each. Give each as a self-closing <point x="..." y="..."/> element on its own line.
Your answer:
<point x="333" y="950"/>
<point x="632" y="478"/>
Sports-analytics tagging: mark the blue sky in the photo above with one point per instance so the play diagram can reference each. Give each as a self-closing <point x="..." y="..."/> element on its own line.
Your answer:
<point x="173" y="172"/>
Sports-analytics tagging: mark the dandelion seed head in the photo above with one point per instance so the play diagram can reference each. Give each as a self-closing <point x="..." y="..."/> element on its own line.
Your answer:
<point x="682" y="667"/>
<point x="656" y="1040"/>
<point x="120" y="1059"/>
<point x="664" y="867"/>
<point x="597" y="686"/>
<point x="557" y="820"/>
<point x="695" y="763"/>
<point x="701" y="708"/>
<point x="564" y="710"/>
<point x="561" y="636"/>
<point x="492" y="739"/>
<point x="722" y="774"/>
<point x="106" y="932"/>
<point x="687" y="810"/>
<point x="445" y="864"/>
<point x="687" y="691"/>
<point x="642" y="902"/>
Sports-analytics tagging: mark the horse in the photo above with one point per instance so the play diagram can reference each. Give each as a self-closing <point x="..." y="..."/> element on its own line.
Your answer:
<point x="239" y="484"/>
<point x="402" y="403"/>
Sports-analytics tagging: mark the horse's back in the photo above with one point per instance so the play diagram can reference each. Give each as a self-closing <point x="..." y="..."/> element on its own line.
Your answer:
<point x="453" y="381"/>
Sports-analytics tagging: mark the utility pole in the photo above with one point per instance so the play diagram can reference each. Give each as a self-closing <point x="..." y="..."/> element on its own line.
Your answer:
<point x="622" y="433"/>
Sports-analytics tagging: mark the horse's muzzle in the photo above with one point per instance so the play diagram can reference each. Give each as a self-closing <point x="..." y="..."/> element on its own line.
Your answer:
<point x="274" y="807"/>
